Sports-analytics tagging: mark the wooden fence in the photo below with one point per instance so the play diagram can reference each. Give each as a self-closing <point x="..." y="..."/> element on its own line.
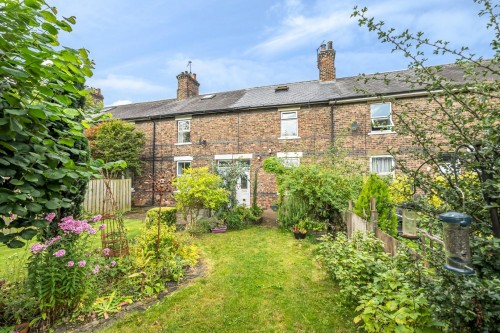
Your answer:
<point x="95" y="199"/>
<point x="427" y="241"/>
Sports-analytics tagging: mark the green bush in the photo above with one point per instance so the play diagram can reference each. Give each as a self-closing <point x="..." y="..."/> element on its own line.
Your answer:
<point x="168" y="216"/>
<point x="375" y="186"/>
<point x="353" y="263"/>
<point x="204" y="225"/>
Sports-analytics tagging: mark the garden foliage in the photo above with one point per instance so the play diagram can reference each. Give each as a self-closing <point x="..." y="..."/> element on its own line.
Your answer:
<point x="198" y="189"/>
<point x="40" y="84"/>
<point x="168" y="216"/>
<point x="115" y="140"/>
<point x="376" y="187"/>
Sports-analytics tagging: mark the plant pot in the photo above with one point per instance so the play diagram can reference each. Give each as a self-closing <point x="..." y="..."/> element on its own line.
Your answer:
<point x="274" y="207"/>
<point x="299" y="235"/>
<point x="22" y="328"/>
<point x="219" y="230"/>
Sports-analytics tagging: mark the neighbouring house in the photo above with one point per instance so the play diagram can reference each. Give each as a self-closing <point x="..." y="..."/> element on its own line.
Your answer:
<point x="293" y="121"/>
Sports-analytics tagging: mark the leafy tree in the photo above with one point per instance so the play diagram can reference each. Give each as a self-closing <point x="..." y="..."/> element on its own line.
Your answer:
<point x="376" y="187"/>
<point x="460" y="126"/>
<point x="40" y="84"/>
<point x="198" y="189"/>
<point x="115" y="140"/>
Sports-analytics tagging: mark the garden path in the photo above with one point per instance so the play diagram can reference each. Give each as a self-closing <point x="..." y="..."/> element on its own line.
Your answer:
<point x="258" y="280"/>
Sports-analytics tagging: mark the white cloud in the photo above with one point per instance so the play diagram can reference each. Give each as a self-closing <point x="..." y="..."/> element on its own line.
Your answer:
<point x="126" y="83"/>
<point x="121" y="102"/>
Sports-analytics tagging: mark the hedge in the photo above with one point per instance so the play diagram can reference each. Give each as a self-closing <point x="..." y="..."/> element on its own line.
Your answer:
<point x="168" y="216"/>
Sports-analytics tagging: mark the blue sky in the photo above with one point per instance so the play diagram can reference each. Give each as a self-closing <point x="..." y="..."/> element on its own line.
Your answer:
<point x="140" y="46"/>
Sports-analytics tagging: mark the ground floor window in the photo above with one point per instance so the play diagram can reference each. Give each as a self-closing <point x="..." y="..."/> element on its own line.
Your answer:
<point x="382" y="165"/>
<point x="290" y="159"/>
<point x="181" y="166"/>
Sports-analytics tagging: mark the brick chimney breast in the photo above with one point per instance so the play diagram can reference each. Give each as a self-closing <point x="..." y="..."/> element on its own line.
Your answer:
<point x="187" y="86"/>
<point x="326" y="62"/>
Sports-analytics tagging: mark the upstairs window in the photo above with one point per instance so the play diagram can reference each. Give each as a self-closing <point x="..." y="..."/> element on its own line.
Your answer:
<point x="289" y="124"/>
<point x="381" y="117"/>
<point x="382" y="165"/>
<point x="447" y="163"/>
<point x="184" y="131"/>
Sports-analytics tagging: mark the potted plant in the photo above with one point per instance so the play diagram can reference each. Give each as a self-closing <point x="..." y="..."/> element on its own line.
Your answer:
<point x="274" y="206"/>
<point x="299" y="232"/>
<point x="217" y="226"/>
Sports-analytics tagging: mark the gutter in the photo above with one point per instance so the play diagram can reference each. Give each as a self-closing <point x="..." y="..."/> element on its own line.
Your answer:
<point x="374" y="98"/>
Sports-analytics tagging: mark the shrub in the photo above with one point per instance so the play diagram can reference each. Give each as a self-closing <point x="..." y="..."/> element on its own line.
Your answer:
<point x="168" y="216"/>
<point x="198" y="189"/>
<point x="392" y="304"/>
<point x="375" y="186"/>
<point x="353" y="263"/>
<point x="151" y="269"/>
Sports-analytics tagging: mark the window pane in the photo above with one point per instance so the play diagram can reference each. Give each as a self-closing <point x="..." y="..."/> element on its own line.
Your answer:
<point x="289" y="127"/>
<point x="288" y="115"/>
<point x="184" y="137"/>
<point x="183" y="125"/>
<point x="181" y="166"/>
<point x="382" y="165"/>
<point x="289" y="162"/>
<point x="381" y="123"/>
<point x="244" y="183"/>
<point x="380" y="110"/>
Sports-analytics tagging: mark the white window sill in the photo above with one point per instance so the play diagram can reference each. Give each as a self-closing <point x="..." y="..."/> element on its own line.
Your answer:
<point x="183" y="144"/>
<point x="381" y="132"/>
<point x="289" y="138"/>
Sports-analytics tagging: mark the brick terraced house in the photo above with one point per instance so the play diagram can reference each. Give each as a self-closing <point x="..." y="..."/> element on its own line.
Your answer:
<point x="293" y="121"/>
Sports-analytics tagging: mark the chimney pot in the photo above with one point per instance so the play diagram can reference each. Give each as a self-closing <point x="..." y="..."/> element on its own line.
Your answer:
<point x="323" y="47"/>
<point x="330" y="45"/>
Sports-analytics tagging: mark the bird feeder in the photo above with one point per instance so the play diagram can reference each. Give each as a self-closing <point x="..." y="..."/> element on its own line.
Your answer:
<point x="456" y="230"/>
<point x="410" y="223"/>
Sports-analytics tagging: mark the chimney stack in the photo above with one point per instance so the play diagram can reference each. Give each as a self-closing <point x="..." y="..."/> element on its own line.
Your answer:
<point x="187" y="86"/>
<point x="326" y="62"/>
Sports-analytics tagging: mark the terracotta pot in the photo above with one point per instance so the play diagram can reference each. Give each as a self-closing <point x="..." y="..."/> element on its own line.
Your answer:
<point x="219" y="230"/>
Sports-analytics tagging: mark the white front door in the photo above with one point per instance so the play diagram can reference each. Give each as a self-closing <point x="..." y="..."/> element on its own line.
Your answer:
<point x="243" y="190"/>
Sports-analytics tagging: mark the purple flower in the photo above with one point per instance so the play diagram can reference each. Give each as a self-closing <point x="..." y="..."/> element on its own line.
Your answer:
<point x="92" y="231"/>
<point x="70" y="264"/>
<point x="82" y="263"/>
<point x="102" y="226"/>
<point x="60" y="253"/>
<point x="106" y="267"/>
<point x="113" y="263"/>
<point x="97" y="218"/>
<point x="50" y="217"/>
<point x="106" y="252"/>
<point x="96" y="269"/>
<point x="35" y="248"/>
<point x="71" y="226"/>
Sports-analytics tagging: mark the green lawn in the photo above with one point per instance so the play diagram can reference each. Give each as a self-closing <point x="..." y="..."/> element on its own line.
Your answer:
<point x="12" y="261"/>
<point x="257" y="280"/>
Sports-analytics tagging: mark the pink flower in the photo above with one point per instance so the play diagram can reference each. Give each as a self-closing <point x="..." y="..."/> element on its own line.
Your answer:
<point x="60" y="253"/>
<point x="71" y="226"/>
<point x="97" y="218"/>
<point x="70" y="264"/>
<point x="92" y="231"/>
<point x="96" y="269"/>
<point x="102" y="226"/>
<point x="50" y="217"/>
<point x="113" y="263"/>
<point x="52" y="241"/>
<point x="106" y="252"/>
<point x="36" y="248"/>
<point x="82" y="263"/>
<point x="106" y="267"/>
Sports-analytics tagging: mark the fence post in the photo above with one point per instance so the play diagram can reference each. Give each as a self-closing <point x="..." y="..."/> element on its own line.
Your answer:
<point x="348" y="220"/>
<point x="373" y="213"/>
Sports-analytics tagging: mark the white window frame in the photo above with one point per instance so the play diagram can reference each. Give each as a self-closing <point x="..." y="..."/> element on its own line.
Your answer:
<point x="290" y="159"/>
<point x="294" y="118"/>
<point x="389" y="128"/>
<point x="393" y="164"/>
<point x="179" y="132"/>
<point x="182" y="159"/>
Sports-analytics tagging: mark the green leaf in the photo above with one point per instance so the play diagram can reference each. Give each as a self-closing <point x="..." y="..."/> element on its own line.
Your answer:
<point x="28" y="233"/>
<point x="48" y="16"/>
<point x="16" y="182"/>
<point x="67" y="142"/>
<point x="71" y="112"/>
<point x="34" y="207"/>
<point x="17" y="112"/>
<point x="50" y="28"/>
<point x="53" y="204"/>
<point x="38" y="113"/>
<point x="8" y="146"/>
<point x="4" y="121"/>
<point x="15" y="72"/>
<point x="15" y="244"/>
<point x="54" y="174"/>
